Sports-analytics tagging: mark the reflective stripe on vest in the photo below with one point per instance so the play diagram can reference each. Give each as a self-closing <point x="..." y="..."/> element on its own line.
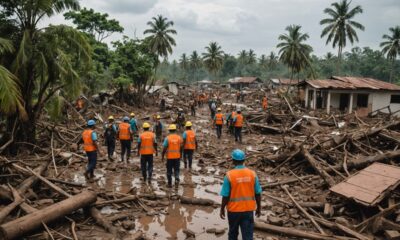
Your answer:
<point x="88" y="144"/>
<point x="174" y="146"/>
<point x="147" y="143"/>
<point x="242" y="195"/>
<point x="239" y="120"/>
<point x="190" y="141"/>
<point x="219" y="119"/>
<point x="124" y="131"/>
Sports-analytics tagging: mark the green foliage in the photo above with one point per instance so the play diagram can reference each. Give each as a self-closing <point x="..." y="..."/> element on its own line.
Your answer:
<point x="293" y="51"/>
<point x="391" y="46"/>
<point x="94" y="23"/>
<point x="132" y="63"/>
<point x="54" y="108"/>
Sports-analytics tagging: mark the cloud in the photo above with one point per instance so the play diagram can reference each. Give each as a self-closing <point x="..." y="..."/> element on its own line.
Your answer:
<point x="129" y="6"/>
<point x="211" y="16"/>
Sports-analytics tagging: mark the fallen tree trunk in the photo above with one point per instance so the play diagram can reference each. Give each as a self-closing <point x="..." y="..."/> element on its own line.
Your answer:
<point x="362" y="162"/>
<point x="32" y="221"/>
<point x="17" y="201"/>
<point x="197" y="201"/>
<point x="319" y="169"/>
<point x="265" y="128"/>
<point x="121" y="200"/>
<point x="291" y="232"/>
<point x="27" y="183"/>
<point x="107" y="225"/>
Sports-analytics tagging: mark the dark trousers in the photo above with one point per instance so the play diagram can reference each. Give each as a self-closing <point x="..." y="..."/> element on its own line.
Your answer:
<point x="173" y="165"/>
<point x="212" y="114"/>
<point x="244" y="220"/>
<point x="219" y="131"/>
<point x="238" y="134"/>
<point x="110" y="147"/>
<point x="193" y="110"/>
<point x="188" y="155"/>
<point x="125" y="149"/>
<point x="92" y="160"/>
<point x="146" y="165"/>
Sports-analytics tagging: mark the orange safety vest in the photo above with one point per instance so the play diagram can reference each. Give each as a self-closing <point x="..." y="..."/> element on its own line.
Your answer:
<point x="219" y="119"/>
<point x="265" y="103"/>
<point x="88" y="144"/>
<point x="239" y="120"/>
<point x="190" y="142"/>
<point x="174" y="146"/>
<point x="124" y="131"/>
<point x="147" y="143"/>
<point x="242" y="195"/>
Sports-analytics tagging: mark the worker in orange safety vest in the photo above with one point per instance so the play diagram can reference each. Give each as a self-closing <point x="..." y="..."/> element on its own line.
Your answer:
<point x="218" y="122"/>
<point x="238" y="122"/>
<point x="265" y="103"/>
<point x="241" y="196"/>
<point x="172" y="148"/>
<point x="125" y="137"/>
<point x="89" y="140"/>
<point x="147" y="147"/>
<point x="189" y="145"/>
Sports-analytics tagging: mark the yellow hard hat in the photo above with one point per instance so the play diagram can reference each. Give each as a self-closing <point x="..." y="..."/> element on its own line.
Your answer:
<point x="146" y="125"/>
<point x="158" y="117"/>
<point x="132" y="114"/>
<point x="218" y="109"/>
<point x="172" y="127"/>
<point x="111" y="117"/>
<point x="188" y="124"/>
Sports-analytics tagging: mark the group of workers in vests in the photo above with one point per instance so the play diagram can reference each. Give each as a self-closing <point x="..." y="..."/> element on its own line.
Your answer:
<point x="241" y="190"/>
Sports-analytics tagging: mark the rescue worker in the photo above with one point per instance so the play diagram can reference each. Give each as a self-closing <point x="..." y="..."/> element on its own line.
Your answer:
<point x="237" y="96"/>
<point x="219" y="121"/>
<point x="180" y="119"/>
<point x="133" y="123"/>
<point x="172" y="148"/>
<point x="190" y="145"/>
<point x="213" y="109"/>
<point x="147" y="146"/>
<point x="241" y="195"/>
<point x="265" y="103"/>
<point x="231" y="124"/>
<point x="125" y="137"/>
<point x="193" y="107"/>
<point x="110" y="134"/>
<point x="238" y="121"/>
<point x="158" y="128"/>
<point x="162" y="105"/>
<point x="89" y="140"/>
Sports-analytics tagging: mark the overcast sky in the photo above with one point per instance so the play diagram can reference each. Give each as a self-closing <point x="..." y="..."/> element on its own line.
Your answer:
<point x="242" y="24"/>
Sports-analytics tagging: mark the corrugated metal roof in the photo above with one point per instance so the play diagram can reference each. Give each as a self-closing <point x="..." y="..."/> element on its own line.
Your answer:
<point x="243" y="80"/>
<point x="353" y="83"/>
<point x="288" y="81"/>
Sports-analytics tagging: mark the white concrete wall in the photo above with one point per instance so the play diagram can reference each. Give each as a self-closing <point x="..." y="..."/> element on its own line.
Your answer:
<point x="382" y="99"/>
<point x="335" y="100"/>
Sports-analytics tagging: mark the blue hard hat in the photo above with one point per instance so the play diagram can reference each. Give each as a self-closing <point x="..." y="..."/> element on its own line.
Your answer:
<point x="238" y="155"/>
<point x="91" y="123"/>
<point x="126" y="118"/>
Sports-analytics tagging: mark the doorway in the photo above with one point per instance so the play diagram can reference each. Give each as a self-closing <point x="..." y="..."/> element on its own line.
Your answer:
<point x="344" y="101"/>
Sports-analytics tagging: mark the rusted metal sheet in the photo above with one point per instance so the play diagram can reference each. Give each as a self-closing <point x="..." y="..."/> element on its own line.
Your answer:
<point x="370" y="185"/>
<point x="353" y="83"/>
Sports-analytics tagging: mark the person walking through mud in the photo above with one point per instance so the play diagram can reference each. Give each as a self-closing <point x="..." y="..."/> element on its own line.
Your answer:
<point x="241" y="196"/>
<point x="125" y="137"/>
<point x="172" y="149"/>
<point x="110" y="134"/>
<point x="189" y="145"/>
<point x="89" y="140"/>
<point x="147" y="146"/>
<point x="238" y="121"/>
<point x="219" y="121"/>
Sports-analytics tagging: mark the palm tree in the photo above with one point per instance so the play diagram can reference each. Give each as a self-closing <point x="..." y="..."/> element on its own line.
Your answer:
<point x="251" y="57"/>
<point x="243" y="57"/>
<point x="161" y="40"/>
<point x="10" y="93"/>
<point x="329" y="56"/>
<point x="46" y="60"/>
<point x="184" y="65"/>
<point x="293" y="51"/>
<point x="213" y="58"/>
<point x="272" y="60"/>
<point x="391" y="46"/>
<point x="263" y="61"/>
<point x="341" y="26"/>
<point x="195" y="63"/>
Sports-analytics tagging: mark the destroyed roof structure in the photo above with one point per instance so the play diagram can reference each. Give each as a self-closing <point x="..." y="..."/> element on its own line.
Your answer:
<point x="348" y="94"/>
<point x="242" y="82"/>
